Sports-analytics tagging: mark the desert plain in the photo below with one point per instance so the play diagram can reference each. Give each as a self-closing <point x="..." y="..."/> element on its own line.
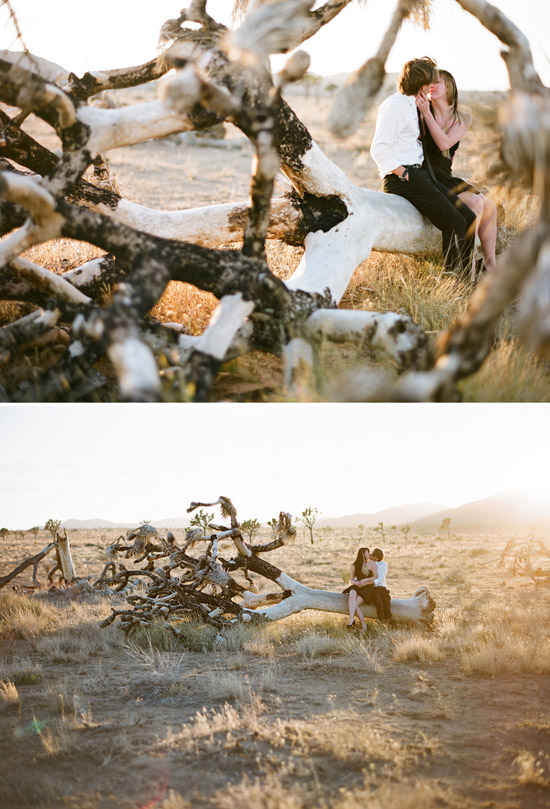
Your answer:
<point x="298" y="713"/>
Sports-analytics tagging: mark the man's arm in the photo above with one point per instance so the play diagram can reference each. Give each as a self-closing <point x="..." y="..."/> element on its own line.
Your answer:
<point x="380" y="573"/>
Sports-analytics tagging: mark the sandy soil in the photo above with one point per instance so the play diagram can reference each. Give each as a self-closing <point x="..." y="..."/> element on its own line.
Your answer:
<point x="272" y="721"/>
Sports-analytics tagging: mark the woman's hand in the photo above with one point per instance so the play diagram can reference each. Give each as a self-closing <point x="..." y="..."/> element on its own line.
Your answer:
<point x="422" y="103"/>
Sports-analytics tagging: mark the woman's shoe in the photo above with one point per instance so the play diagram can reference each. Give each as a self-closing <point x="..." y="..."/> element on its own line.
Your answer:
<point x="349" y="626"/>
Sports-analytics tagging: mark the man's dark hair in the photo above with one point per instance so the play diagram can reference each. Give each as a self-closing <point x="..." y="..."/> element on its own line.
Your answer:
<point x="416" y="74"/>
<point x="377" y="554"/>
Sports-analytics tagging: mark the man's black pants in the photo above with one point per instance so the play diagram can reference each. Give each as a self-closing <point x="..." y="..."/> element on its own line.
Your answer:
<point x="382" y="601"/>
<point x="444" y="210"/>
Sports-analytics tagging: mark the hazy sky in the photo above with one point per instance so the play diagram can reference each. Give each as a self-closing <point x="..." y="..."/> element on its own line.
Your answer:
<point x="119" y="33"/>
<point x="131" y="462"/>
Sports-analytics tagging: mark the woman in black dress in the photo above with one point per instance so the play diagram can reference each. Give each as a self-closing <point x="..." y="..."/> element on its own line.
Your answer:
<point x="361" y="570"/>
<point x="445" y="125"/>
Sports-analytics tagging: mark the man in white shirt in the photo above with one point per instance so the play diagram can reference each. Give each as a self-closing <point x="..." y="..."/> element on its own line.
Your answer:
<point x="381" y="595"/>
<point x="397" y="151"/>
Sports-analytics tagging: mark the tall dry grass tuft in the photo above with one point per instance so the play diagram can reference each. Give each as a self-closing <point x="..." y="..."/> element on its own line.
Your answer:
<point x="21" y="671"/>
<point x="510" y="374"/>
<point x="25" y="617"/>
<point x="9" y="693"/>
<point x="413" y="286"/>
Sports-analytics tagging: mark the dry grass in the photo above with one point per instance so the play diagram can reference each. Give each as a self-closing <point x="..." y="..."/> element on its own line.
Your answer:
<point x="9" y="693"/>
<point x="286" y="704"/>
<point x="21" y="671"/>
<point x="22" y="617"/>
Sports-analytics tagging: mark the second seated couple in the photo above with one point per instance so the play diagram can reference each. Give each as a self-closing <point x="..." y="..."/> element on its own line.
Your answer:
<point x="368" y="586"/>
<point x="417" y="133"/>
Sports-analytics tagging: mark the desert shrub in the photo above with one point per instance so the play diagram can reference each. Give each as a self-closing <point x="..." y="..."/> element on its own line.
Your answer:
<point x="192" y="635"/>
<point x="21" y="671"/>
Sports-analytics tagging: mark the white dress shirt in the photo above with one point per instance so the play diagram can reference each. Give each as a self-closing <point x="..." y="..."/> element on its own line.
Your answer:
<point x="396" y="140"/>
<point x="382" y="568"/>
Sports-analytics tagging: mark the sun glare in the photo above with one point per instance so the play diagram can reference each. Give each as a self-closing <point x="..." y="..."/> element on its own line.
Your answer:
<point x="535" y="498"/>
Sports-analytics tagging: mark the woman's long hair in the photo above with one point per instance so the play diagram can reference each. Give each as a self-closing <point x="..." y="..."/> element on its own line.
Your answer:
<point x="359" y="562"/>
<point x="452" y="94"/>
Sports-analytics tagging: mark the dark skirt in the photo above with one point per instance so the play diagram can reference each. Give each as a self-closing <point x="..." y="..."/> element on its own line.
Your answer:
<point x="365" y="592"/>
<point x="456" y="184"/>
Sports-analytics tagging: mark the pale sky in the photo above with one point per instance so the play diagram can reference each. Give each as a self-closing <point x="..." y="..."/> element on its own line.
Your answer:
<point x="127" y="463"/>
<point x="119" y="33"/>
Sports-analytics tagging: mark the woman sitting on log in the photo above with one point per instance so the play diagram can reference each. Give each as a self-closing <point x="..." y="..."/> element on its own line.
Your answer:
<point x="445" y="125"/>
<point x="361" y="570"/>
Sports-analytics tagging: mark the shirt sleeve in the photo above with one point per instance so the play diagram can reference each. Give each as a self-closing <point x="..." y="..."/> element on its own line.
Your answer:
<point x="381" y="577"/>
<point x="389" y="123"/>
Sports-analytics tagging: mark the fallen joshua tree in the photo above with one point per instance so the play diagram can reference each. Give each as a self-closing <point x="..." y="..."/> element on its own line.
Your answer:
<point x="223" y="75"/>
<point x="195" y="581"/>
<point x="527" y="555"/>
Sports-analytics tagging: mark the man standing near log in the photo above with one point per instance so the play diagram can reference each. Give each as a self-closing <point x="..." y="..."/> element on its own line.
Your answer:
<point x="397" y="151"/>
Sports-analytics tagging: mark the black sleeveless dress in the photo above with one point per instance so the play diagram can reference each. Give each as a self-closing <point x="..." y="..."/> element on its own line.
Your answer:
<point x="365" y="592"/>
<point x="442" y="163"/>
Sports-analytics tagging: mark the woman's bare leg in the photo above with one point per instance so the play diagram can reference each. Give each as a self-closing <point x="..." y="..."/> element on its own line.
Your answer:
<point x="476" y="205"/>
<point x="488" y="232"/>
<point x="352" y="603"/>
<point x="359" y="613"/>
<point x="486" y="224"/>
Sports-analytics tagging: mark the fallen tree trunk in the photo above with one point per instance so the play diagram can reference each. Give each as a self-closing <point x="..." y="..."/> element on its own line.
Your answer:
<point x="196" y="581"/>
<point x="418" y="608"/>
<point x="32" y="560"/>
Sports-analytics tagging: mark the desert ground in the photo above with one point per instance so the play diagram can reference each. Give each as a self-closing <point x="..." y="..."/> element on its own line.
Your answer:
<point x="184" y="171"/>
<point x="299" y="713"/>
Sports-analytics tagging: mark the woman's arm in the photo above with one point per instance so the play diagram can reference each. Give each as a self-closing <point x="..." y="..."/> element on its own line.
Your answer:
<point x="352" y="574"/>
<point x="372" y="566"/>
<point x="443" y="140"/>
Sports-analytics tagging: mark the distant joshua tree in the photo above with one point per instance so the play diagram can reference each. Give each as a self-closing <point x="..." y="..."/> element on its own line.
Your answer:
<point x="4" y="532"/>
<point x="273" y="523"/>
<point x="53" y="527"/>
<point x="405" y="531"/>
<point x="250" y="528"/>
<point x="361" y="528"/>
<point x="309" y="518"/>
<point x="201" y="519"/>
<point x="445" y="526"/>
<point x="379" y="529"/>
<point x="34" y="530"/>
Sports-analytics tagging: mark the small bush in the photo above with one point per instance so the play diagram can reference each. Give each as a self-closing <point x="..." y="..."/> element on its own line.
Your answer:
<point x="192" y="635"/>
<point x="21" y="672"/>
